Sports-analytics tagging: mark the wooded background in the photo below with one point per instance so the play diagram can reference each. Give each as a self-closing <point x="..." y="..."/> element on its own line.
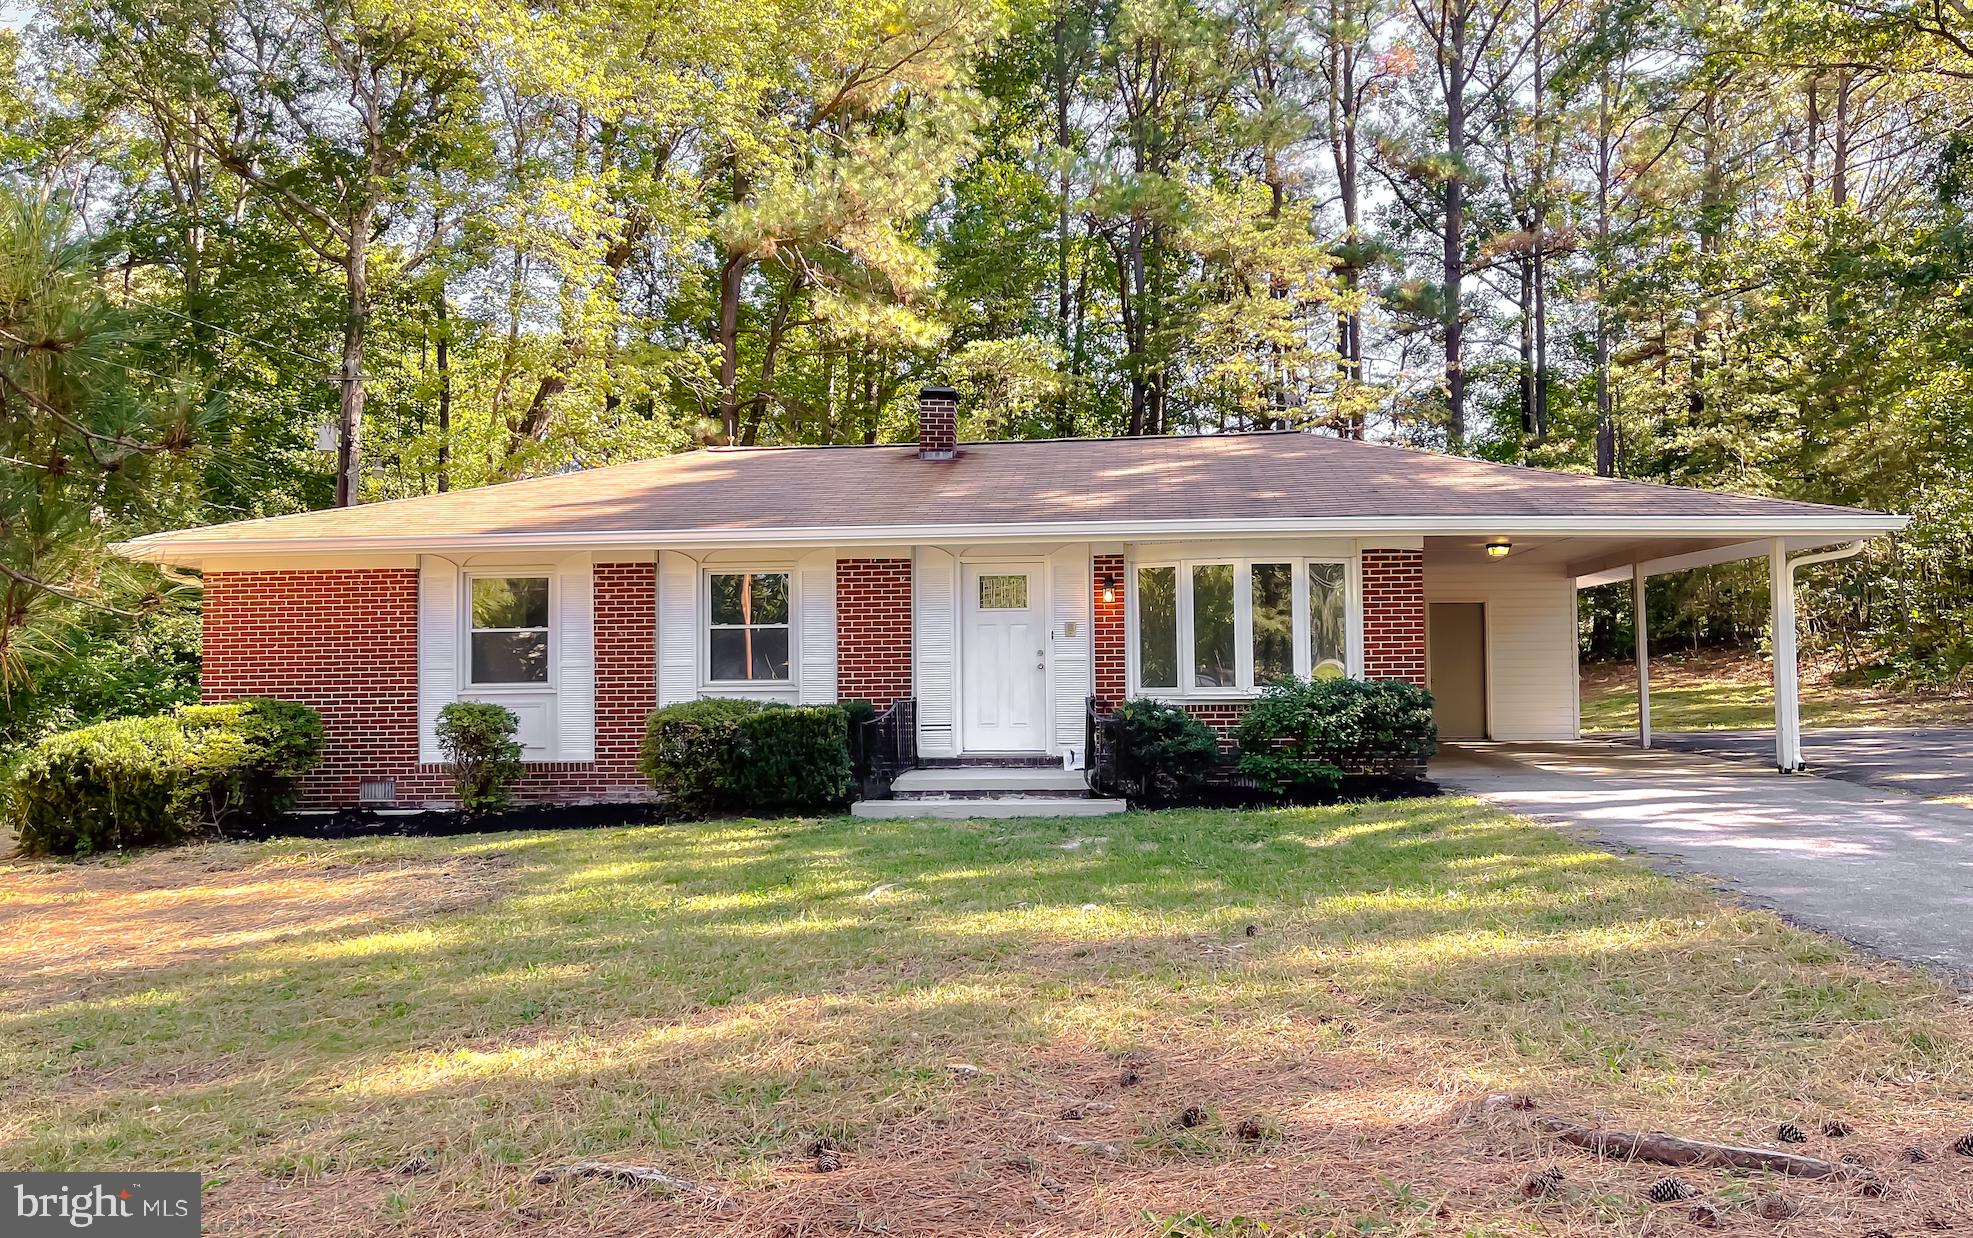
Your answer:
<point x="267" y="255"/>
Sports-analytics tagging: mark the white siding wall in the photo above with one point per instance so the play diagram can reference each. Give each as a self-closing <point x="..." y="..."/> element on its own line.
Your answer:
<point x="1531" y="642"/>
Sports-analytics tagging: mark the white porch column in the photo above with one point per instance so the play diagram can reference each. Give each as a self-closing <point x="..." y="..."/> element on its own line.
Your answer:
<point x="1638" y="624"/>
<point x="1781" y="625"/>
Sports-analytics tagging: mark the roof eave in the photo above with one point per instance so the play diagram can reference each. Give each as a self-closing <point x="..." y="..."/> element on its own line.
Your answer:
<point x="186" y="547"/>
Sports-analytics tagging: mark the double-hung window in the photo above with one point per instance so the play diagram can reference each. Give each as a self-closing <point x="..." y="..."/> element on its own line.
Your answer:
<point x="1228" y="627"/>
<point x="747" y="631"/>
<point x="508" y="639"/>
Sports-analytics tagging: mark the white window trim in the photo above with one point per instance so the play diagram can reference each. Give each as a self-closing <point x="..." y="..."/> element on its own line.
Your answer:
<point x="703" y="637"/>
<point x="466" y="629"/>
<point x="1243" y="622"/>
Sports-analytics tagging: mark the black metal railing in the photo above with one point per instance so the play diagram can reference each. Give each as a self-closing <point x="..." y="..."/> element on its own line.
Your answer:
<point x="884" y="746"/>
<point x="1099" y="748"/>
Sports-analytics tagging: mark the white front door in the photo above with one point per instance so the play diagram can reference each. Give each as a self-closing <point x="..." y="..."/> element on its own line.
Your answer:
<point x="1004" y="648"/>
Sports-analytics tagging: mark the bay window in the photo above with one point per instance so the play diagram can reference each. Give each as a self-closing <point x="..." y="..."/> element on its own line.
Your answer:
<point x="1229" y="627"/>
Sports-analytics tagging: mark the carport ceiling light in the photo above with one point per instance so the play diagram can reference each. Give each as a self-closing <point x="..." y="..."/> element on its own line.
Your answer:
<point x="1497" y="547"/>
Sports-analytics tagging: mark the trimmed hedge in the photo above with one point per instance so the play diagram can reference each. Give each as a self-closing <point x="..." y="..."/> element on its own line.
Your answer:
<point x="718" y="754"/>
<point x="1308" y="736"/>
<point x="1162" y="751"/>
<point x="687" y="748"/>
<point x="478" y="739"/>
<point x="148" y="781"/>
<point x="792" y="757"/>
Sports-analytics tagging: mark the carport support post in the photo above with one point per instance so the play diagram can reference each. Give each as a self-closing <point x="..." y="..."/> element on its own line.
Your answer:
<point x="1787" y="692"/>
<point x="1637" y="609"/>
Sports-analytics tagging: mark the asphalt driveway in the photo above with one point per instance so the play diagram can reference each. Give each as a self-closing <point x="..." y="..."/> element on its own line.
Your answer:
<point x="1887" y="871"/>
<point x="1929" y="761"/>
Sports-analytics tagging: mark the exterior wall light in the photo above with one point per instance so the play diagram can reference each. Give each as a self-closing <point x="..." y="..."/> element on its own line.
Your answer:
<point x="1109" y="588"/>
<point x="1497" y="547"/>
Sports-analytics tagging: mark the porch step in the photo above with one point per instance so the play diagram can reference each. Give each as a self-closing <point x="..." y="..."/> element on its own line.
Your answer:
<point x="1012" y="760"/>
<point x="987" y="782"/>
<point x="1004" y="806"/>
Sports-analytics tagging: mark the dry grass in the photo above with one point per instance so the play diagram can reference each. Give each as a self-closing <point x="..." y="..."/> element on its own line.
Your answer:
<point x="1732" y="691"/>
<point x="300" y="1020"/>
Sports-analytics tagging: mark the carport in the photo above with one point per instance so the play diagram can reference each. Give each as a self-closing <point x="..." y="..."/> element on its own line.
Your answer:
<point x="1785" y="556"/>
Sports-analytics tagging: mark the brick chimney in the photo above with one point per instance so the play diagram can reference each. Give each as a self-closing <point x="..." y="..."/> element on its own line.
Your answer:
<point x="938" y="423"/>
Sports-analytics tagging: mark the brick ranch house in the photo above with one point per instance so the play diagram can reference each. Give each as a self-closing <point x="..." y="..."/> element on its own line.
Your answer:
<point x="999" y="584"/>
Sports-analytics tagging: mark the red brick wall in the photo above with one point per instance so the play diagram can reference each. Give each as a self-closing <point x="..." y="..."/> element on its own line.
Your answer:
<point x="1394" y="615"/>
<point x="1107" y="628"/>
<point x="345" y="641"/>
<point x="873" y="630"/>
<point x="626" y="668"/>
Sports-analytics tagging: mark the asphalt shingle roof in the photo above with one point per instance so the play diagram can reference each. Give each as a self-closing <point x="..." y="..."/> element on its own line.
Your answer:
<point x="1234" y="477"/>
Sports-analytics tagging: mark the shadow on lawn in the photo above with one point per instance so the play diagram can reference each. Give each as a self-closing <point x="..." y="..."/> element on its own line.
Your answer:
<point x="729" y="987"/>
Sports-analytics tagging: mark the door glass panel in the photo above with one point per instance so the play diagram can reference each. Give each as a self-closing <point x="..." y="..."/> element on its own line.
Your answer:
<point x="1212" y="626"/>
<point x="1274" y="622"/>
<point x="1004" y="592"/>
<point x="1328" y="644"/>
<point x="1157" y="627"/>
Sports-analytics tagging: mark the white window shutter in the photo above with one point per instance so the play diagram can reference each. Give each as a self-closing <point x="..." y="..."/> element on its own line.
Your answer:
<point x="575" y="695"/>
<point x="1068" y="593"/>
<point x="934" y="649"/>
<point x="438" y="649"/>
<point x="678" y="628"/>
<point x="818" y="628"/>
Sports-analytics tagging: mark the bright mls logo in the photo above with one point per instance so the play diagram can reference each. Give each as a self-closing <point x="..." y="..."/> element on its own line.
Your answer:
<point x="116" y="1205"/>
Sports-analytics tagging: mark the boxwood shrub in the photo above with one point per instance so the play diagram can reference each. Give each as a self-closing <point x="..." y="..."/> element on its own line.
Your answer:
<point x="792" y="757"/>
<point x="717" y="754"/>
<point x="478" y="740"/>
<point x="146" y="781"/>
<point x="1304" y="737"/>
<point x="1162" y="751"/>
<point x="688" y="749"/>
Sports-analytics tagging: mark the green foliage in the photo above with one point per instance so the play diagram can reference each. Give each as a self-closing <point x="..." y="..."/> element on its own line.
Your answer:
<point x="1307" y="736"/>
<point x="478" y="740"/>
<point x="714" y="754"/>
<point x="1162" y="751"/>
<point x="792" y="758"/>
<point x="688" y="751"/>
<point x="147" y="781"/>
<point x="89" y="434"/>
<point x="98" y="666"/>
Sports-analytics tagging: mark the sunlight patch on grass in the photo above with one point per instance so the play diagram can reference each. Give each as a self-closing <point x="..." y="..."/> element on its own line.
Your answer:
<point x="715" y="997"/>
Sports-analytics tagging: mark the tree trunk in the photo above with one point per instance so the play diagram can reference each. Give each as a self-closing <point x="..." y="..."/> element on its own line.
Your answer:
<point x="356" y="317"/>
<point x="443" y="350"/>
<point x="1606" y="427"/>
<point x="731" y="276"/>
<point x="1064" y="418"/>
<point x="1453" y="255"/>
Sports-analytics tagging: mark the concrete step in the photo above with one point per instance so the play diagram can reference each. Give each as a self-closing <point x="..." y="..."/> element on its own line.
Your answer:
<point x="982" y="782"/>
<point x="1007" y="806"/>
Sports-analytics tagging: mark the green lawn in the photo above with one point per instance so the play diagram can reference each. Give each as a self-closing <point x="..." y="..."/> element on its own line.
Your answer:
<point x="1735" y="692"/>
<point x="299" y="1020"/>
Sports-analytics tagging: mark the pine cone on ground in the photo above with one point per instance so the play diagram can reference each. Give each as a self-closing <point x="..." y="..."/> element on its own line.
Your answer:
<point x="1836" y="1128"/>
<point x="1791" y="1133"/>
<point x="1964" y="1144"/>
<point x="1543" y="1184"/>
<point x="1914" y="1155"/>
<point x="1671" y="1191"/>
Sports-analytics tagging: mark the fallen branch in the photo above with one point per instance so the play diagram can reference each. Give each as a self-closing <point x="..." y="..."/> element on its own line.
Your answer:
<point x="1664" y="1149"/>
<point x="631" y="1175"/>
